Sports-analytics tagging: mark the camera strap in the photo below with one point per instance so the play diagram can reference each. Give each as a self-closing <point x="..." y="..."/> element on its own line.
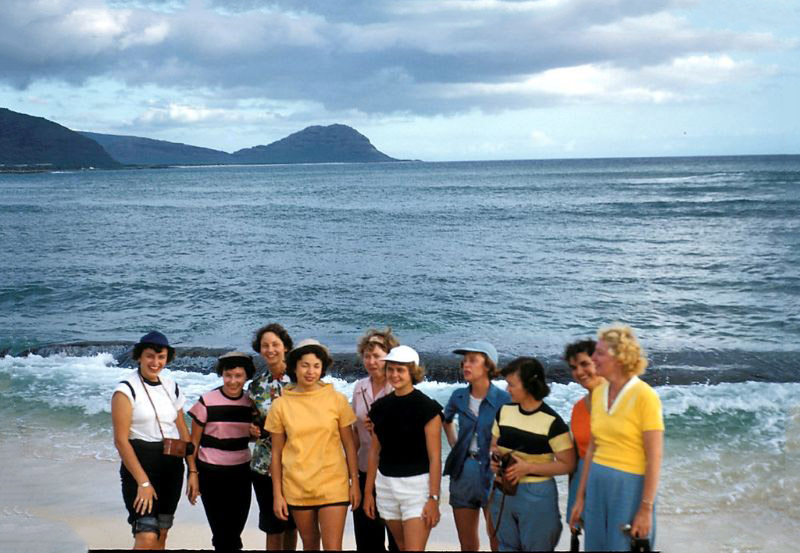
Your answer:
<point x="155" y="411"/>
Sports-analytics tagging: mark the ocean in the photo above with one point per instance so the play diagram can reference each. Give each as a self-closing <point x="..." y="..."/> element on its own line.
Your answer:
<point x="700" y="255"/>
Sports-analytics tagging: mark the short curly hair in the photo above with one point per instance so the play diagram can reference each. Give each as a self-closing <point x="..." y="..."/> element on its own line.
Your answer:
<point x="531" y="374"/>
<point x="278" y="330"/>
<point x="373" y="338"/>
<point x="581" y="346"/>
<point x="624" y="347"/>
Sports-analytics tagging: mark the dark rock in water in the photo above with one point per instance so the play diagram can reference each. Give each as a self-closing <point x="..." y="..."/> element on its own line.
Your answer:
<point x="39" y="143"/>
<point x="317" y="144"/>
<point x="135" y="150"/>
<point x="666" y="368"/>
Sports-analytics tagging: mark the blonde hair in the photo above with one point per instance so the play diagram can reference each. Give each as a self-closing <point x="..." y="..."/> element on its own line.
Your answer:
<point x="624" y="347"/>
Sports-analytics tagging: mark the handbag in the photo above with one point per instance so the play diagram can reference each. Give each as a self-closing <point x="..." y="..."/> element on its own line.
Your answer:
<point x="500" y="481"/>
<point x="172" y="446"/>
<point x="505" y="486"/>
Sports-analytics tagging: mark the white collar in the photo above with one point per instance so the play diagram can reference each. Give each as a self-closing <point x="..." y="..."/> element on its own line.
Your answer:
<point x="628" y="385"/>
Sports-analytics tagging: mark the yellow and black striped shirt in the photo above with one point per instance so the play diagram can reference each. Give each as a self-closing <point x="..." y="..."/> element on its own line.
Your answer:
<point x="533" y="435"/>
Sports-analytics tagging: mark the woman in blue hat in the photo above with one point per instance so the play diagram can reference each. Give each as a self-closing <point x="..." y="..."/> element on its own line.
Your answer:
<point x="468" y="462"/>
<point x="146" y="408"/>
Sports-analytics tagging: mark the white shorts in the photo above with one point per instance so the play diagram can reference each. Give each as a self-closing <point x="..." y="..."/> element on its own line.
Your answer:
<point x="401" y="497"/>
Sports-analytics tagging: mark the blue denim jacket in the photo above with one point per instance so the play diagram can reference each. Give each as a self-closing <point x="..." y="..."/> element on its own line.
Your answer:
<point x="468" y="425"/>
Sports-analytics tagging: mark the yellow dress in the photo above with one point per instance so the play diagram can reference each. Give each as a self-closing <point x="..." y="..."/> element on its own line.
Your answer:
<point x="313" y="461"/>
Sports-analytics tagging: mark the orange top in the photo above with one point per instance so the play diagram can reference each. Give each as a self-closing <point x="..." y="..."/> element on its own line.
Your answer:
<point x="580" y="425"/>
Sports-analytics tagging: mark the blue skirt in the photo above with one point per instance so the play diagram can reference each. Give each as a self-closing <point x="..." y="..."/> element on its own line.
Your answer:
<point x="612" y="499"/>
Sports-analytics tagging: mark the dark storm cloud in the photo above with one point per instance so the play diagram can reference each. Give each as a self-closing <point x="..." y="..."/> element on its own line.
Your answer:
<point x="372" y="55"/>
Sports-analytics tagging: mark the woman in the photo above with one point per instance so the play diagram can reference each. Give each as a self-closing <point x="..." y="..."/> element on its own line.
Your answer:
<point x="372" y="348"/>
<point x="312" y="477"/>
<point x="145" y="409"/>
<point x="405" y="458"/>
<point x="219" y="470"/>
<point x="623" y="462"/>
<point x="272" y="342"/>
<point x="468" y="462"/>
<point x="534" y="445"/>
<point x="578" y="356"/>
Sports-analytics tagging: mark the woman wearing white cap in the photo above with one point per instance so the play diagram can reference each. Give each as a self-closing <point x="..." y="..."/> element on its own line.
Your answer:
<point x="405" y="460"/>
<point x="468" y="462"/>
<point x="314" y="467"/>
<point x="371" y="534"/>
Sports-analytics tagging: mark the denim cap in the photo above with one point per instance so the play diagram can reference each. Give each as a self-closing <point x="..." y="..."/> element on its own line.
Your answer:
<point x="155" y="338"/>
<point x="480" y="347"/>
<point x="402" y="354"/>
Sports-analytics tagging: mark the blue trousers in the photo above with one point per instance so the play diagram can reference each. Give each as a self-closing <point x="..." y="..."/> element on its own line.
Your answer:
<point x="530" y="519"/>
<point x="612" y="499"/>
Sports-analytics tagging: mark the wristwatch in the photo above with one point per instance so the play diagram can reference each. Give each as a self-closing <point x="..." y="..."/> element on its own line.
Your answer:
<point x="434" y="496"/>
<point x="145" y="484"/>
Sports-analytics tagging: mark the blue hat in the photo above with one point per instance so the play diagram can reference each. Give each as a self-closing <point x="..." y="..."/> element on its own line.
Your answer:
<point x="480" y="347"/>
<point x="155" y="338"/>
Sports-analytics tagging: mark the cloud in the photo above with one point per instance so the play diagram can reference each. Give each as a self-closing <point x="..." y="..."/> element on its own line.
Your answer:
<point x="378" y="56"/>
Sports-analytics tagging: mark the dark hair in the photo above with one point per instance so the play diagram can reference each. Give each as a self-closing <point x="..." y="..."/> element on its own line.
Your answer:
<point x="158" y="348"/>
<point x="278" y="330"/>
<point x="228" y="363"/>
<point x="292" y="359"/>
<point x="581" y="346"/>
<point x="531" y="374"/>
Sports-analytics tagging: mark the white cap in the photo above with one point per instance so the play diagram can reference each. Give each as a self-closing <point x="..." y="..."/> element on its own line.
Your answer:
<point x="403" y="354"/>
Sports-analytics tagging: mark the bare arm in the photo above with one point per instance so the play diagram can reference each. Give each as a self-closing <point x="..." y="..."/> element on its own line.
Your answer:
<point x="356" y="439"/>
<point x="372" y="472"/>
<point x="653" y="451"/>
<point x="433" y="443"/>
<point x="279" y="505"/>
<point x="180" y="422"/>
<point x="580" y="495"/>
<point x="563" y="463"/>
<point x="450" y="432"/>
<point x="349" y="442"/>
<point x="121" y="417"/>
<point x="193" y="482"/>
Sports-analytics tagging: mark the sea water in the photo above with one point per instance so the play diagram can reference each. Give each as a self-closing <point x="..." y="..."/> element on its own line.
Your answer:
<point x="700" y="255"/>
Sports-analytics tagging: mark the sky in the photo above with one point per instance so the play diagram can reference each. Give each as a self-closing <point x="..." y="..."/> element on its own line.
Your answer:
<point x="438" y="80"/>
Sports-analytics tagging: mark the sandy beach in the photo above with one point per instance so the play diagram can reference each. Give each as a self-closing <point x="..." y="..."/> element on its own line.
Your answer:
<point x="55" y="504"/>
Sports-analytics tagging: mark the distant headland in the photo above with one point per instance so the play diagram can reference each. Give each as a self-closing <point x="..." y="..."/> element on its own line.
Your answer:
<point x="30" y="143"/>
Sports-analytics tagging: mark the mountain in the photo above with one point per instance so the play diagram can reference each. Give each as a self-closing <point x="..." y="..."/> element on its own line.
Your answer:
<point x="26" y="140"/>
<point x="135" y="150"/>
<point x="317" y="144"/>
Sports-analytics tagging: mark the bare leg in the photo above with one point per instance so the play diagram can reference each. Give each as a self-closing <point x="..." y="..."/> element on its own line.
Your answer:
<point x="396" y="528"/>
<point x="415" y="534"/>
<point x="493" y="543"/>
<point x="467" y="527"/>
<point x="285" y="541"/>
<point x="147" y="540"/>
<point x="331" y="526"/>
<point x="308" y="527"/>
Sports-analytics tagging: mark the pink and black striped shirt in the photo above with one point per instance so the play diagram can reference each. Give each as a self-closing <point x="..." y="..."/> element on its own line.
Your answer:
<point x="226" y="428"/>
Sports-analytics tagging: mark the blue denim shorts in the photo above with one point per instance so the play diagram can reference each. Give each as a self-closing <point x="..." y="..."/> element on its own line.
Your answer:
<point x="469" y="491"/>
